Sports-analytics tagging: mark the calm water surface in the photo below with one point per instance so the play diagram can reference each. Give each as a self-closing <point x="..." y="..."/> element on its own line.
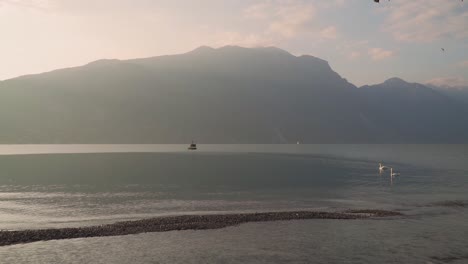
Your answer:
<point x="44" y="186"/>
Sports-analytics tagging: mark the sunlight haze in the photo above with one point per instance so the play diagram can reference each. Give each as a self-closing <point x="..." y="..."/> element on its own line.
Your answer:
<point x="372" y="43"/>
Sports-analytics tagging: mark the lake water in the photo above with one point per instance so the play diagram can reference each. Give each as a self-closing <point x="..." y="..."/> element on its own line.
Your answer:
<point x="46" y="186"/>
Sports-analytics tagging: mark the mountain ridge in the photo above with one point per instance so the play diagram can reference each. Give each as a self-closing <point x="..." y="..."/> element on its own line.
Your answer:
<point x="225" y="95"/>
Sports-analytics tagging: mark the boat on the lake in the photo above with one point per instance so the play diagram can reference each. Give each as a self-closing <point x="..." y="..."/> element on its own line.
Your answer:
<point x="192" y="146"/>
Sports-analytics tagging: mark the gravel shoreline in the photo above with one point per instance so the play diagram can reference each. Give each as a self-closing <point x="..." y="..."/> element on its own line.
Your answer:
<point x="173" y="223"/>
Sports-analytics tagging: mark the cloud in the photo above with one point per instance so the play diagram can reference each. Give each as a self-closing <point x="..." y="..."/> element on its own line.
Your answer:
<point x="449" y="82"/>
<point x="276" y="21"/>
<point x="27" y="3"/>
<point x="426" y="20"/>
<point x="85" y="7"/>
<point x="463" y="64"/>
<point x="380" y="54"/>
<point x="354" y="55"/>
<point x="286" y="18"/>
<point x="332" y="3"/>
<point x="329" y="33"/>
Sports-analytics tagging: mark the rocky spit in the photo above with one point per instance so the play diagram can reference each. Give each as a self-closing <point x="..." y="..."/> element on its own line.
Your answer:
<point x="173" y="223"/>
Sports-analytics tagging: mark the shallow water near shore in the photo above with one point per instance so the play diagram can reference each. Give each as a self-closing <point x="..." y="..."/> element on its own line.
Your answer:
<point x="86" y="185"/>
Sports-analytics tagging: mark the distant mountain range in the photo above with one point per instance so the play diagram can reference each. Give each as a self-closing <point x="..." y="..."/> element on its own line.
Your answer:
<point x="459" y="93"/>
<point x="225" y="95"/>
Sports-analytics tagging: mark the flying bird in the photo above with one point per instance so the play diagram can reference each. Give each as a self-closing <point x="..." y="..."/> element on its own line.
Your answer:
<point x="442" y="49"/>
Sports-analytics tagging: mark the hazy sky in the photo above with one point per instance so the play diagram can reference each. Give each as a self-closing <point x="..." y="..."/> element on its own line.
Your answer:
<point x="363" y="41"/>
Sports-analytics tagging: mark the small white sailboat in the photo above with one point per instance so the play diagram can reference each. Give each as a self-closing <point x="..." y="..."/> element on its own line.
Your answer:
<point x="192" y="146"/>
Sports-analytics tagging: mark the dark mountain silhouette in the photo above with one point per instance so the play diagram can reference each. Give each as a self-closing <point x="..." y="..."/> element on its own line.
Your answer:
<point x="225" y="95"/>
<point x="458" y="93"/>
<point x="414" y="113"/>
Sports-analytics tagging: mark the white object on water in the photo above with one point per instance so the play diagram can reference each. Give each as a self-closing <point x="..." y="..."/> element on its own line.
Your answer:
<point x="393" y="174"/>
<point x="382" y="168"/>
